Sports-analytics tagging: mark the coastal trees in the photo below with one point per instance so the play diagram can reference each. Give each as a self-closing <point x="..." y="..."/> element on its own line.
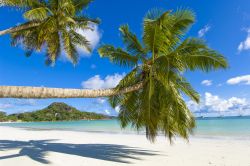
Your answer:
<point x="2" y="116"/>
<point x="55" y="112"/>
<point x="158" y="62"/>
<point x="51" y="26"/>
<point x="151" y="95"/>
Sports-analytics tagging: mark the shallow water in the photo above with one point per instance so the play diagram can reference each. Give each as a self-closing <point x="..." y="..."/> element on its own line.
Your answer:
<point x="207" y="127"/>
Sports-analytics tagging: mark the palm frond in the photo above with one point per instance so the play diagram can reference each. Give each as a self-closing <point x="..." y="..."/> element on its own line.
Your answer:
<point x="183" y="19"/>
<point x="194" y="54"/>
<point x="118" y="56"/>
<point x="154" y="14"/>
<point x="156" y="34"/>
<point x="53" y="4"/>
<point x="52" y="16"/>
<point x="159" y="107"/>
<point x="81" y="4"/>
<point x="127" y="109"/>
<point x="54" y="47"/>
<point x="133" y="44"/>
<point x="83" y="21"/>
<point x="68" y="7"/>
<point x="80" y="40"/>
<point x="69" y="47"/>
<point x="181" y="84"/>
<point x="22" y="4"/>
<point x="40" y="13"/>
<point x="132" y="78"/>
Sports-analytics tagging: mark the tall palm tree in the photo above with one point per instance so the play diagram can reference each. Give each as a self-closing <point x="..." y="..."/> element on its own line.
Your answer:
<point x="151" y="95"/>
<point x="52" y="26"/>
<point x="158" y="63"/>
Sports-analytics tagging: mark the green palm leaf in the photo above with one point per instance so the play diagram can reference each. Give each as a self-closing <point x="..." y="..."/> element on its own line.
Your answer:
<point x="52" y="21"/>
<point x="133" y="45"/>
<point x="40" y="14"/>
<point x="118" y="56"/>
<point x="22" y="4"/>
<point x="69" y="46"/>
<point x="158" y="107"/>
<point x="182" y="21"/>
<point x="194" y="54"/>
<point x="80" y="4"/>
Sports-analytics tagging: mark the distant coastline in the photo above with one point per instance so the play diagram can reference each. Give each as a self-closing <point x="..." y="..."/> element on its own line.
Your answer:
<point x="93" y="117"/>
<point x="54" y="112"/>
<point x="114" y="117"/>
<point x="222" y="117"/>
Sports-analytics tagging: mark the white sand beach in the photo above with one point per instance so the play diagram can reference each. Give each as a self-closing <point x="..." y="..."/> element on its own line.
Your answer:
<point x="34" y="148"/>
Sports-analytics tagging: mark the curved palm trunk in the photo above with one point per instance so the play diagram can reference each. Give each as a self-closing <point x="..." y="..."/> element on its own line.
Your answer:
<point x="18" y="28"/>
<point x="42" y="93"/>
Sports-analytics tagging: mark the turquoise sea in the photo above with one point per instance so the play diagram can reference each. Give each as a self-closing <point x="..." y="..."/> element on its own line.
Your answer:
<point x="206" y="127"/>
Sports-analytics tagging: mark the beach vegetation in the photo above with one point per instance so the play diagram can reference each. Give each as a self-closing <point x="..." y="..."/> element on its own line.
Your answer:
<point x="158" y="62"/>
<point x="151" y="95"/>
<point x="54" y="112"/>
<point x="51" y="27"/>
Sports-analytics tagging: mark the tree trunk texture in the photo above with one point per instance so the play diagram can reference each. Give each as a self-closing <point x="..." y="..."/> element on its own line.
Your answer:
<point x="18" y="28"/>
<point x="44" y="93"/>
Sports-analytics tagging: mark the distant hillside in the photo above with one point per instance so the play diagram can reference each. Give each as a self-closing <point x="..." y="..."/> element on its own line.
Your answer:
<point x="56" y="112"/>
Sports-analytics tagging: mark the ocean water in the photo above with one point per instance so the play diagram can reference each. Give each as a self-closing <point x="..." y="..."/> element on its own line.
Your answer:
<point x="206" y="127"/>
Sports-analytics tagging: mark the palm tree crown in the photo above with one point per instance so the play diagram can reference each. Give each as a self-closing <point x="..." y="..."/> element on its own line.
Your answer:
<point x="52" y="25"/>
<point x="158" y="63"/>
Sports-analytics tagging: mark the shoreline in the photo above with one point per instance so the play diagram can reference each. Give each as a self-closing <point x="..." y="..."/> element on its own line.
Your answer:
<point x="55" y="121"/>
<point x="54" y="147"/>
<point x="126" y="132"/>
<point x="192" y="137"/>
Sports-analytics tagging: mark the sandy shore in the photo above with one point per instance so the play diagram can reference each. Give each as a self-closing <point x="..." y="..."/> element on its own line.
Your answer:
<point x="64" y="148"/>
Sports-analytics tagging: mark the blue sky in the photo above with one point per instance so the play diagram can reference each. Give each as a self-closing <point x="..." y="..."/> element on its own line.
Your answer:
<point x="224" y="26"/>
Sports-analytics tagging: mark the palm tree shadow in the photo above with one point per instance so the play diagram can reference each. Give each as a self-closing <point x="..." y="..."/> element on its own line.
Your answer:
<point x="38" y="149"/>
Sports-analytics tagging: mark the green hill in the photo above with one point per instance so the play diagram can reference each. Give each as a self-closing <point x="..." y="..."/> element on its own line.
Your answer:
<point x="56" y="112"/>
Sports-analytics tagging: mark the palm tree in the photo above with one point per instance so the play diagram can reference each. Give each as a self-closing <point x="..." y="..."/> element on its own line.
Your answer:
<point x="52" y="25"/>
<point x="45" y="93"/>
<point x="151" y="95"/>
<point x="158" y="63"/>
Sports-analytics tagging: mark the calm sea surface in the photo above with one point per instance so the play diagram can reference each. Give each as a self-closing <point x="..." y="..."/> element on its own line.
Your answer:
<point x="208" y="127"/>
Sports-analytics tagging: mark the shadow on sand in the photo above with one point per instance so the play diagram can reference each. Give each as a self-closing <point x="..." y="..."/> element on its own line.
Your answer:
<point x="38" y="149"/>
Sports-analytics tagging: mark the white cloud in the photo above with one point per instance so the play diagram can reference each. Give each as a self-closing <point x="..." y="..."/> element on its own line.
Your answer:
<point x="117" y="109"/>
<point x="245" y="79"/>
<point x="107" y="112"/>
<point x="204" y="30"/>
<point x="213" y="103"/>
<point x="193" y="106"/>
<point x="217" y="104"/>
<point x="93" y="35"/>
<point x="207" y="82"/>
<point x="97" y="82"/>
<point x="101" y="101"/>
<point x="245" y="45"/>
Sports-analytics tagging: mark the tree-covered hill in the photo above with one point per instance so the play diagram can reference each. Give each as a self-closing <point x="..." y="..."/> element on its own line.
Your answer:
<point x="54" y="112"/>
